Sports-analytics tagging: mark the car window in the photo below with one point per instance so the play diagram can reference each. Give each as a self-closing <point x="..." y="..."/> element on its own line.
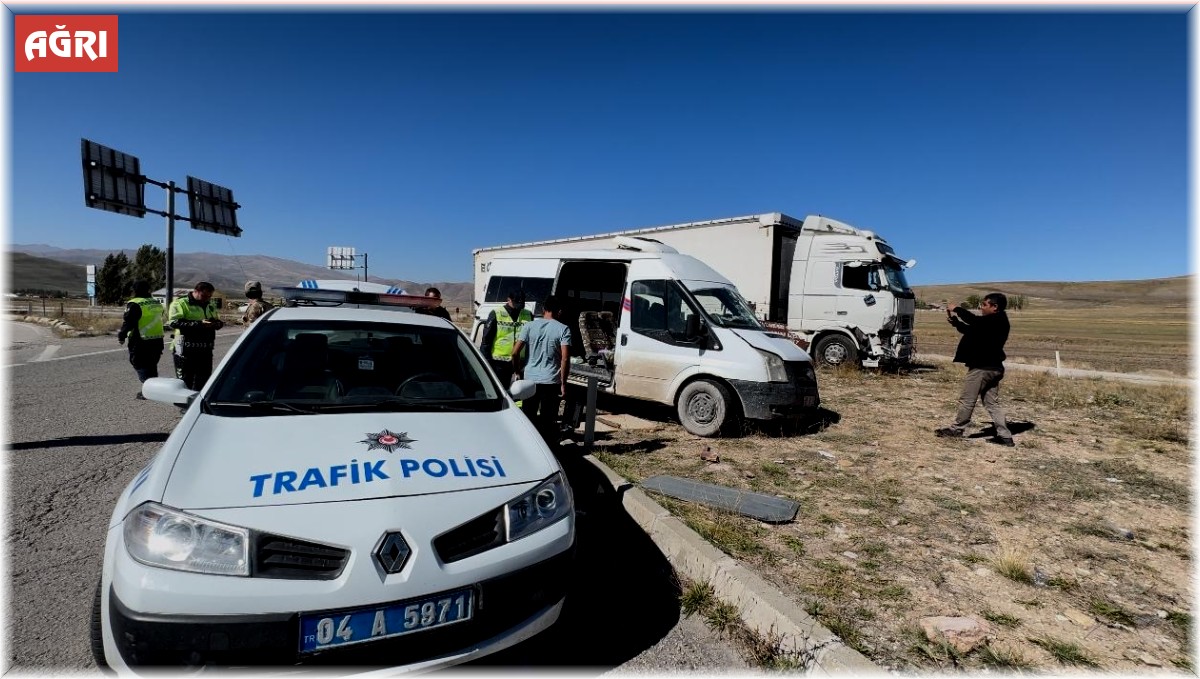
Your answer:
<point x="328" y="365"/>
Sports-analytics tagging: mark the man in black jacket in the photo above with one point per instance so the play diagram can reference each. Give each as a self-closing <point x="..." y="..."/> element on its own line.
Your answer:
<point x="982" y="350"/>
<point x="143" y="327"/>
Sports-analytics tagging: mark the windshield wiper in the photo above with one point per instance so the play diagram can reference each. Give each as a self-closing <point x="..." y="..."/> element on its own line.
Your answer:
<point x="397" y="404"/>
<point x="277" y="406"/>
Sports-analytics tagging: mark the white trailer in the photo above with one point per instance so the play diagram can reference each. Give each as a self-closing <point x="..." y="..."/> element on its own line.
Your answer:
<point x="836" y="290"/>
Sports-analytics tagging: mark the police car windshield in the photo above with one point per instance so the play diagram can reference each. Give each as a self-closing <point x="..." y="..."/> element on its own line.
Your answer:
<point x="298" y="367"/>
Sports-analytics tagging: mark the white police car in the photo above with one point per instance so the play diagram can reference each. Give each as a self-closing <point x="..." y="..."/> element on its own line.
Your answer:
<point x="352" y="486"/>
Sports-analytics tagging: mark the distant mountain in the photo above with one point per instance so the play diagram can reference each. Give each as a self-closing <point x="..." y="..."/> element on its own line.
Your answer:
<point x="56" y="267"/>
<point x="39" y="273"/>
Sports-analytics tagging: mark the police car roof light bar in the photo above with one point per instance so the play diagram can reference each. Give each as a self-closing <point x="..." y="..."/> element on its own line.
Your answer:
<point x="318" y="297"/>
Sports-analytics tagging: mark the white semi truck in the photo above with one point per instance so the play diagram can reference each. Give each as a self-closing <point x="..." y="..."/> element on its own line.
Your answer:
<point x="836" y="290"/>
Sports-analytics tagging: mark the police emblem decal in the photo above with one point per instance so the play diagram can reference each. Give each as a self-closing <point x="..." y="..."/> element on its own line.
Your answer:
<point x="388" y="441"/>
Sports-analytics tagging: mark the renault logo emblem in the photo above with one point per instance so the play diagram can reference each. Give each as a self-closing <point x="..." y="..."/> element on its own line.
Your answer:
<point x="392" y="553"/>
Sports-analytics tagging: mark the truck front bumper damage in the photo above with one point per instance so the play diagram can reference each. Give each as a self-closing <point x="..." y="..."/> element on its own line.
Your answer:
<point x="771" y="400"/>
<point x="895" y="348"/>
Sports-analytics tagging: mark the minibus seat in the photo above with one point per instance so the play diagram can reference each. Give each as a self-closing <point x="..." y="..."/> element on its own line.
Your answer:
<point x="597" y="341"/>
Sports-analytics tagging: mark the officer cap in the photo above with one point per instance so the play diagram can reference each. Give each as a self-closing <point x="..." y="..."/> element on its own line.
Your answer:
<point x="253" y="285"/>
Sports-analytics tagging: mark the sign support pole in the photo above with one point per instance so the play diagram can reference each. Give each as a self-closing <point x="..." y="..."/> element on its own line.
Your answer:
<point x="170" y="296"/>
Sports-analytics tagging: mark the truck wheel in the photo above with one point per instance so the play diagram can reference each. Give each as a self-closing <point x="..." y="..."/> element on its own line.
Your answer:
<point x="835" y="350"/>
<point x="96" y="633"/>
<point x="705" y="408"/>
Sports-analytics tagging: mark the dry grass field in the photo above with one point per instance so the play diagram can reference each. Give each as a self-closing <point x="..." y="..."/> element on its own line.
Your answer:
<point x="1113" y="338"/>
<point x="1075" y="546"/>
<point x="1121" y="326"/>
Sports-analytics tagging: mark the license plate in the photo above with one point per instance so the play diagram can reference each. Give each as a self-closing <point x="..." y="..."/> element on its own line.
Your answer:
<point x="320" y="631"/>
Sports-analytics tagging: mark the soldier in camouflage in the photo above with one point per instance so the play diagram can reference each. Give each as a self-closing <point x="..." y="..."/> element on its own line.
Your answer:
<point x="258" y="306"/>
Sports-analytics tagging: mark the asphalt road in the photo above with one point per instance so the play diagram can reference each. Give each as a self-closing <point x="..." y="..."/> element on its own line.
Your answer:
<point x="77" y="436"/>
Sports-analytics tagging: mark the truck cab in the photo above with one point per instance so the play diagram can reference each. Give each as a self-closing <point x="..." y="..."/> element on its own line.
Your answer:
<point x="650" y="323"/>
<point x="850" y="300"/>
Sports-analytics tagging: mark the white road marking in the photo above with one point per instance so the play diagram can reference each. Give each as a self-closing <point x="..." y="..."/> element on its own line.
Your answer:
<point x="44" y="359"/>
<point x="47" y="353"/>
<point x="67" y="358"/>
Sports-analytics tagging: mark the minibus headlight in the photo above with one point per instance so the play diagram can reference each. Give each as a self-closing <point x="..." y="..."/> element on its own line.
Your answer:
<point x="776" y="371"/>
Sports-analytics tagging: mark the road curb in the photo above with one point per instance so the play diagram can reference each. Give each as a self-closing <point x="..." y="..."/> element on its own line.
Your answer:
<point x="763" y="608"/>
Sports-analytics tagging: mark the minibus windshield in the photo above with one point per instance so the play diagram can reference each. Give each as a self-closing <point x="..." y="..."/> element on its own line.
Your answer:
<point x="726" y="308"/>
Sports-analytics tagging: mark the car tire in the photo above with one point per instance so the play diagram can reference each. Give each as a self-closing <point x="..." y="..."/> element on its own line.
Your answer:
<point x="706" y="408"/>
<point x="97" y="633"/>
<point x="835" y="350"/>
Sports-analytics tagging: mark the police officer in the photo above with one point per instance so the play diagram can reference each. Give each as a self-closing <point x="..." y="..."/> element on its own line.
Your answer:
<point x="195" y="321"/>
<point x="143" y="326"/>
<point x="500" y="333"/>
<point x="257" y="306"/>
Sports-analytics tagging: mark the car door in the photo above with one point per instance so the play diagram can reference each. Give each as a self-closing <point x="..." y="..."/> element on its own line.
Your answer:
<point x="652" y="347"/>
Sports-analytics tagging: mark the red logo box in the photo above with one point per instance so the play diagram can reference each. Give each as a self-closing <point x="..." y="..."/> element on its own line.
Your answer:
<point x="65" y="43"/>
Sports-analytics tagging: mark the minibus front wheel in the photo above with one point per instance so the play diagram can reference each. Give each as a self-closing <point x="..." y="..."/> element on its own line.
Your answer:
<point x="706" y="408"/>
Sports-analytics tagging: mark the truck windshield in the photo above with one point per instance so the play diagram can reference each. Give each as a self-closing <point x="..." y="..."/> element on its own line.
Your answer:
<point x="726" y="308"/>
<point x="894" y="277"/>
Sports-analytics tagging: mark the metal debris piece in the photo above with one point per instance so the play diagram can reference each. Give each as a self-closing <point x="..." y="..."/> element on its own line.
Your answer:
<point x="755" y="505"/>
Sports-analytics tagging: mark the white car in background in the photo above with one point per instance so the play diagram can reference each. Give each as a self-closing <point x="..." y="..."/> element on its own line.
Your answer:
<point x="352" y="486"/>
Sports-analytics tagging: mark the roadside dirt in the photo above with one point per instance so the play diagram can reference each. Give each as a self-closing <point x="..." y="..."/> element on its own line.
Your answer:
<point x="1074" y="547"/>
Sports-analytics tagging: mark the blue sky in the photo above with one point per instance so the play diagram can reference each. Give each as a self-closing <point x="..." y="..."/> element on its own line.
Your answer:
<point x="988" y="146"/>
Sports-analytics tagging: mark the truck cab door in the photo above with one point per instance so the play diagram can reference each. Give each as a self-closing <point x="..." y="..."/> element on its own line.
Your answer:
<point x="820" y="294"/>
<point x="653" y="346"/>
<point x="862" y="302"/>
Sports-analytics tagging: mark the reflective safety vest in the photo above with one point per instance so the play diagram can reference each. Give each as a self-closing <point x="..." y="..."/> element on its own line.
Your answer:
<point x="506" y="332"/>
<point x="182" y="310"/>
<point x="150" y="323"/>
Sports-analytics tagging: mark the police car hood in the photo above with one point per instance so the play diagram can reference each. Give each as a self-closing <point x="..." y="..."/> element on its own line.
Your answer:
<point x="299" y="459"/>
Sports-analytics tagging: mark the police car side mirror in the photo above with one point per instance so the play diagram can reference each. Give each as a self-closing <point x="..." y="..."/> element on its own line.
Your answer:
<point x="522" y="389"/>
<point x="167" y="390"/>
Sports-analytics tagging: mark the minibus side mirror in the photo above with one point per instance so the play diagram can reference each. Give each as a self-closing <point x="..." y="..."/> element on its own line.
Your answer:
<point x="695" y="329"/>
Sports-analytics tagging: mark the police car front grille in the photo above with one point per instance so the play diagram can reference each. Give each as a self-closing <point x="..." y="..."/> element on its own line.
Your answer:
<point x="471" y="538"/>
<point x="281" y="557"/>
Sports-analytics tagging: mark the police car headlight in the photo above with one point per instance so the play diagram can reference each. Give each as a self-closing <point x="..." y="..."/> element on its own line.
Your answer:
<point x="159" y="536"/>
<point x="539" y="508"/>
<point x="776" y="371"/>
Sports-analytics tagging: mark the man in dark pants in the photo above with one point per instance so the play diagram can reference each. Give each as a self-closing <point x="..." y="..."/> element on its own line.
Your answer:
<point x="500" y="332"/>
<point x="982" y="350"/>
<point x="548" y="363"/>
<point x="194" y="318"/>
<point x="143" y="326"/>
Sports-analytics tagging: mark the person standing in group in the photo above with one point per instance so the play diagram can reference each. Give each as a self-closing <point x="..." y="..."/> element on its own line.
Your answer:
<point x="195" y="320"/>
<point x="500" y="333"/>
<point x="257" y="305"/>
<point x="439" y="310"/>
<point x="143" y="327"/>
<point x="982" y="350"/>
<point x="548" y="363"/>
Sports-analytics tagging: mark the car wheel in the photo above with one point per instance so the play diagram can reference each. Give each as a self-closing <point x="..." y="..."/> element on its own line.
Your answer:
<point x="706" y="408"/>
<point x="97" y="633"/>
<point x="835" y="350"/>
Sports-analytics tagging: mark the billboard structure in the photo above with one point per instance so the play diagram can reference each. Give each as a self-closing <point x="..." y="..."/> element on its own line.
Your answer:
<point x="113" y="181"/>
<point x="341" y="258"/>
<point x="212" y="207"/>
